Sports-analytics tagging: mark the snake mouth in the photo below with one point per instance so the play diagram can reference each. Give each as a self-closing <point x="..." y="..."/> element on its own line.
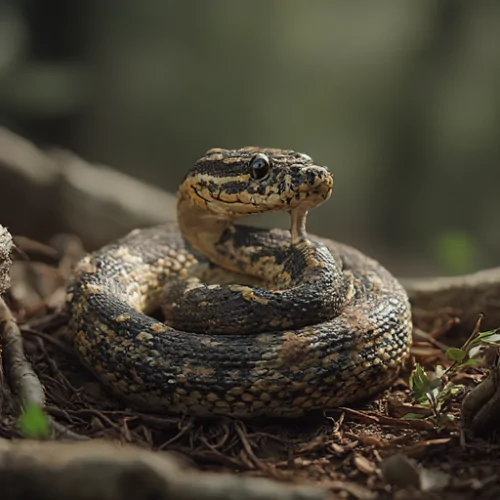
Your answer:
<point x="315" y="187"/>
<point x="286" y="189"/>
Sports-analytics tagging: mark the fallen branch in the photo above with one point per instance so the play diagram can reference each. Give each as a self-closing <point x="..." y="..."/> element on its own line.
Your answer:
<point x="55" y="470"/>
<point x="21" y="376"/>
<point x="472" y="294"/>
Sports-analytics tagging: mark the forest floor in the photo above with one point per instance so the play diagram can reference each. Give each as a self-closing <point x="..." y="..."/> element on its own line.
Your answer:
<point x="349" y="450"/>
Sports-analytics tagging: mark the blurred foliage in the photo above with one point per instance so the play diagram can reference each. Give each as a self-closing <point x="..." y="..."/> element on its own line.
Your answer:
<point x="455" y="252"/>
<point x="33" y="423"/>
<point x="400" y="98"/>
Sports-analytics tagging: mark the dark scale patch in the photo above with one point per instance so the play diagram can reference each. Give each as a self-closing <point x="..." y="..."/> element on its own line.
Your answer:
<point x="310" y="178"/>
<point x="218" y="169"/>
<point x="261" y="188"/>
<point x="233" y="187"/>
<point x="236" y="161"/>
<point x="296" y="177"/>
<point x="263" y="243"/>
<point x="212" y="186"/>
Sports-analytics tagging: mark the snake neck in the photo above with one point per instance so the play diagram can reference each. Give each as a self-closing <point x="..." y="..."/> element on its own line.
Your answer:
<point x="201" y="227"/>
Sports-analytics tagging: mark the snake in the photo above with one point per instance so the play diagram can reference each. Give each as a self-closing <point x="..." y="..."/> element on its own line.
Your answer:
<point x="206" y="316"/>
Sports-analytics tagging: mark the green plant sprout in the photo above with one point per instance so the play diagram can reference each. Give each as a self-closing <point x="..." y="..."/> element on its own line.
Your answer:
<point x="33" y="423"/>
<point x="432" y="394"/>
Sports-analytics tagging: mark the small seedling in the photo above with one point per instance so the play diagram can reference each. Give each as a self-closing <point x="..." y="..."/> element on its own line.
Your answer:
<point x="33" y="423"/>
<point x="433" y="394"/>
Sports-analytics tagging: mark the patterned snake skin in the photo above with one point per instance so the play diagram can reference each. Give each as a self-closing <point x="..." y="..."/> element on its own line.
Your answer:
<point x="255" y="322"/>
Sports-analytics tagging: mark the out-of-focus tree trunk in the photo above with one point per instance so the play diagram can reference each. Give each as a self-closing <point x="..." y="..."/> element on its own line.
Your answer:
<point x="49" y="192"/>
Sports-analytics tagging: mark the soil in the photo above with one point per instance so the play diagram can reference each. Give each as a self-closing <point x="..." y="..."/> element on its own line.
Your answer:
<point x="365" y="451"/>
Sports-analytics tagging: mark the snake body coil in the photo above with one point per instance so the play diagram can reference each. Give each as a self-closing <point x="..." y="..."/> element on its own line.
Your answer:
<point x="257" y="322"/>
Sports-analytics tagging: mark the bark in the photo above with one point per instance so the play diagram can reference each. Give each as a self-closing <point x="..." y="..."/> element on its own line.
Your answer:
<point x="57" y="471"/>
<point x="6" y="247"/>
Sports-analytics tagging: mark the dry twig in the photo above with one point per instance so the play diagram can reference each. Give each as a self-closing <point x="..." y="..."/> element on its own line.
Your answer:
<point x="20" y="374"/>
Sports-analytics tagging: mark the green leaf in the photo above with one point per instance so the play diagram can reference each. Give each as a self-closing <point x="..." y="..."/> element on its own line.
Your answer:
<point x="474" y="351"/>
<point x="33" y="423"/>
<point x="452" y="389"/>
<point x="492" y="339"/>
<point x="481" y="335"/>
<point x="454" y="354"/>
<point x="471" y="362"/>
<point x="414" y="416"/>
<point x="444" y="420"/>
<point x="423" y="387"/>
<point x="418" y="381"/>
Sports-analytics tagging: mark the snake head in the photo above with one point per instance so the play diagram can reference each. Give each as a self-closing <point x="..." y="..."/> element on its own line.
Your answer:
<point x="251" y="180"/>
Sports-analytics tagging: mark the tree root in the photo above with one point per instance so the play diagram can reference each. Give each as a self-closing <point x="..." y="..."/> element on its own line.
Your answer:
<point x="56" y="471"/>
<point x="21" y="376"/>
<point x="6" y="247"/>
<point x="481" y="406"/>
<point x="470" y="294"/>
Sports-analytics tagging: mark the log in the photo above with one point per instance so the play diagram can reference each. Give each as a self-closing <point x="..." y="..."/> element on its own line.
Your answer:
<point x="55" y="191"/>
<point x="98" y="469"/>
<point x="473" y="294"/>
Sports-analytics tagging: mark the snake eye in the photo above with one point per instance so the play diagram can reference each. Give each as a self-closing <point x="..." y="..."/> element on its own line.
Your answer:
<point x="259" y="166"/>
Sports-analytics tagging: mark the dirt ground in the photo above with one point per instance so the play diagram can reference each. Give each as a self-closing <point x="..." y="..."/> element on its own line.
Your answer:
<point x="348" y="450"/>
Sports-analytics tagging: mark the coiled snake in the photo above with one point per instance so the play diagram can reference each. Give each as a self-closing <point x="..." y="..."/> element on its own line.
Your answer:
<point x="255" y="322"/>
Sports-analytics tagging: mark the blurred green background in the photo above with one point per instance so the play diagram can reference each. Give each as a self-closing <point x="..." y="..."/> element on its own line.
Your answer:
<point x="400" y="98"/>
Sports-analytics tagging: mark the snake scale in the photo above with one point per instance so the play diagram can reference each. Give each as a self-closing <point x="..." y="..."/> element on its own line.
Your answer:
<point x="208" y="317"/>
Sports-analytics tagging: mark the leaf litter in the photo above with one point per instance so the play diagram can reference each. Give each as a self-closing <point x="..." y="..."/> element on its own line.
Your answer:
<point x="406" y="443"/>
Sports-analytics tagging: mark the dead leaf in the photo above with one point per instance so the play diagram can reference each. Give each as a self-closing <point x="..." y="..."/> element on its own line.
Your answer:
<point x="364" y="465"/>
